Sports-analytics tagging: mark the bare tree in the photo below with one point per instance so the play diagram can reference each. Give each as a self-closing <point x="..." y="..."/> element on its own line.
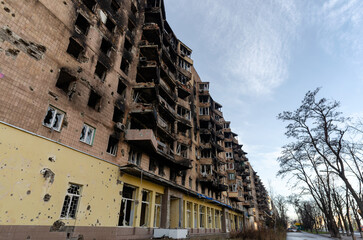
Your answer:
<point x="317" y="124"/>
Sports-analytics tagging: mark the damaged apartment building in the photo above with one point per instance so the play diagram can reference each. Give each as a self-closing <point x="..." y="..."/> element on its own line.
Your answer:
<point x="107" y="131"/>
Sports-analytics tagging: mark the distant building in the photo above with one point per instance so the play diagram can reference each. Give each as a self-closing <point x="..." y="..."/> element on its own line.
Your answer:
<point x="107" y="131"/>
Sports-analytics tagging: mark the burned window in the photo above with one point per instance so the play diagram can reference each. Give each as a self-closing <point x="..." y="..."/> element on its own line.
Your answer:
<point x="71" y="201"/>
<point x="94" y="100"/>
<point x="106" y="47"/>
<point x="172" y="175"/>
<point x="133" y="9"/>
<point x="124" y="66"/>
<point x="152" y="164"/>
<point x="196" y="185"/>
<point x="90" y="4"/>
<point x="161" y="169"/>
<point x="135" y="157"/>
<point x="110" y="25"/>
<point x="112" y="145"/>
<point x="74" y="48"/>
<point x="127" y="206"/>
<point x="121" y="87"/>
<point x="183" y="178"/>
<point x="82" y="24"/>
<point x="117" y="114"/>
<point x="127" y="45"/>
<point x="100" y="70"/>
<point x="53" y="119"/>
<point x="228" y="144"/>
<point x="64" y="80"/>
<point x="145" y="203"/>
<point x="183" y="112"/>
<point x="87" y="134"/>
<point x="131" y="26"/>
<point x="115" y="5"/>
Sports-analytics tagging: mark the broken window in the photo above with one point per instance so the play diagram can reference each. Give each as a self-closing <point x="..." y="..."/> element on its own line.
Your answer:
<point x="121" y="87"/>
<point x="71" y="201"/>
<point x="161" y="169"/>
<point x="131" y="26"/>
<point x="106" y="46"/>
<point x="230" y="165"/>
<point x="82" y="24"/>
<point x="53" y="119"/>
<point x="228" y="144"/>
<point x="233" y="187"/>
<point x="124" y="66"/>
<point x="183" y="178"/>
<point x="183" y="79"/>
<point x="94" y="100"/>
<point x="231" y="176"/>
<point x="90" y="4"/>
<point x="183" y="112"/>
<point x="144" y="217"/>
<point x="182" y="150"/>
<point x="117" y="114"/>
<point x="74" y="48"/>
<point x="135" y="157"/>
<point x="172" y="175"/>
<point x="157" y="214"/>
<point x="185" y="51"/>
<point x="127" y="45"/>
<point x="204" y="87"/>
<point x="226" y="125"/>
<point x="100" y="70"/>
<point x="196" y="185"/>
<point x="190" y="183"/>
<point x="184" y="64"/>
<point x="112" y="145"/>
<point x="64" y="80"/>
<point x="115" y="5"/>
<point x="204" y="111"/>
<point x="201" y="216"/>
<point x="216" y="219"/>
<point x="195" y="215"/>
<point x="229" y="155"/>
<point x="189" y="215"/>
<point x="206" y="153"/>
<point x="110" y="25"/>
<point x="87" y="134"/>
<point x="127" y="206"/>
<point x="205" y="170"/>
<point x="152" y="164"/>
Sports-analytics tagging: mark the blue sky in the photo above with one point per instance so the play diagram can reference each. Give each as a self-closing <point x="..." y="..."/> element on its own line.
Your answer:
<point x="262" y="56"/>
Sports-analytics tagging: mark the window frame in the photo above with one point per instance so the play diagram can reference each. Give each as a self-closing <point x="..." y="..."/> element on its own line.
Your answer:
<point x="71" y="196"/>
<point x="53" y="120"/>
<point x="86" y="134"/>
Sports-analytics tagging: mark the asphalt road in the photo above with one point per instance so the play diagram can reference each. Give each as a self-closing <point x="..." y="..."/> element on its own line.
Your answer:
<point x="303" y="236"/>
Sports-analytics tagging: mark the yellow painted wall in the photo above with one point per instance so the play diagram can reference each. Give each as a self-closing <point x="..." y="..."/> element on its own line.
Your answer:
<point x="22" y="186"/>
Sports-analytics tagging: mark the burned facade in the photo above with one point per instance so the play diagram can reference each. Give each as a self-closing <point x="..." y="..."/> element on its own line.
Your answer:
<point x="107" y="131"/>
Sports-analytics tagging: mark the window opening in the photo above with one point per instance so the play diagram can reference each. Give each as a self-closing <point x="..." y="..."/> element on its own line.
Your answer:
<point x="133" y="9"/>
<point x="87" y="134"/>
<point x="74" y="48"/>
<point x="71" y="201"/>
<point x="204" y="111"/>
<point x="89" y="4"/>
<point x="110" y="25"/>
<point x="82" y="24"/>
<point x="183" y="64"/>
<point x="53" y="119"/>
<point x="127" y="206"/>
<point x="112" y="146"/>
<point x="157" y="214"/>
<point x="228" y="144"/>
<point x="106" y="46"/>
<point x="124" y="66"/>
<point x="144" y="208"/>
<point x="230" y="165"/>
<point x="229" y="155"/>
<point x="94" y="100"/>
<point x="189" y="215"/>
<point x="231" y="176"/>
<point x="172" y="175"/>
<point x="152" y="164"/>
<point x="204" y="87"/>
<point x="131" y="26"/>
<point x="100" y="70"/>
<point x="117" y="114"/>
<point x="121" y="87"/>
<point x="64" y="80"/>
<point x="201" y="216"/>
<point x="127" y="45"/>
<point x="190" y="183"/>
<point x="161" y="169"/>
<point x="115" y="5"/>
<point x="195" y="215"/>
<point x="135" y="157"/>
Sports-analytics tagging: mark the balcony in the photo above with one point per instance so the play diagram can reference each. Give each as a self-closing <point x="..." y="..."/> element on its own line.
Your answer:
<point x="163" y="103"/>
<point x="142" y="137"/>
<point x="154" y="15"/>
<point x="149" y="53"/>
<point x="205" y="177"/>
<point x="151" y="33"/>
<point x="236" y="196"/>
<point x="141" y="108"/>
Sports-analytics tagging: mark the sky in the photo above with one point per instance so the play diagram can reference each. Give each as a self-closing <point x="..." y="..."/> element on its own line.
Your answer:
<point x="262" y="56"/>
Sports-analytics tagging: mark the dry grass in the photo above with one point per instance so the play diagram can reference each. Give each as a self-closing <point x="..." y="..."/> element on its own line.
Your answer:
<point x="263" y="234"/>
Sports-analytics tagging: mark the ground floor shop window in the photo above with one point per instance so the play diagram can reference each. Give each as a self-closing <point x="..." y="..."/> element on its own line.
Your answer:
<point x="157" y="216"/>
<point x="127" y="206"/>
<point x="201" y="216"/>
<point x="145" y="208"/>
<point x="195" y="215"/>
<point x="189" y="215"/>
<point x="216" y="219"/>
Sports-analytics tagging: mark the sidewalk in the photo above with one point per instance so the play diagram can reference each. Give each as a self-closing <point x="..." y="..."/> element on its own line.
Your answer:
<point x="343" y="237"/>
